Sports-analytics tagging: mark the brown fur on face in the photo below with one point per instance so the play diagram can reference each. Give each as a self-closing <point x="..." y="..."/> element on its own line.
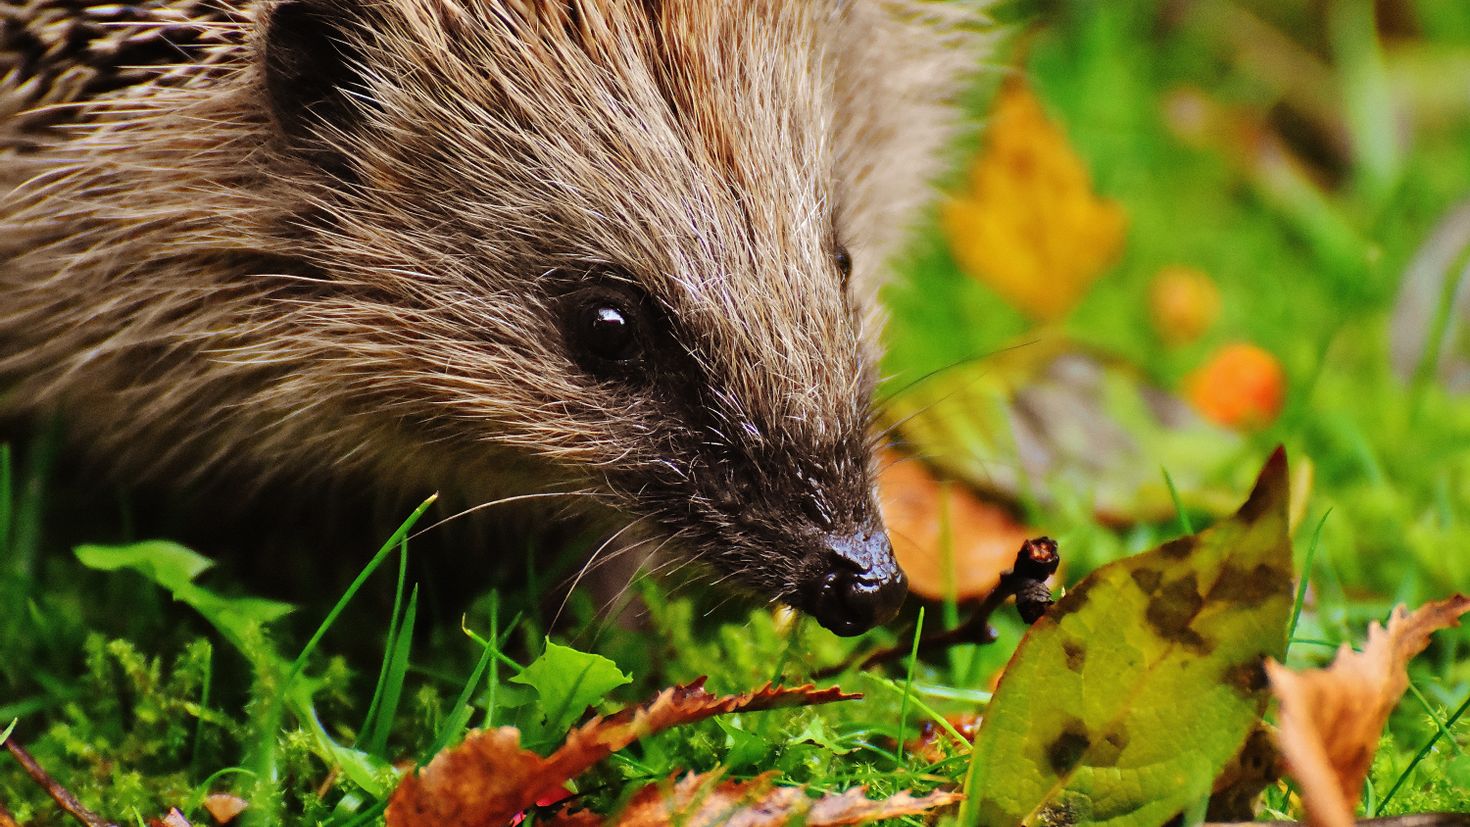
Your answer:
<point x="373" y="260"/>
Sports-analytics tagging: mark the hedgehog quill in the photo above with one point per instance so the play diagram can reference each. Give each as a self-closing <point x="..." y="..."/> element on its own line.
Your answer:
<point x="628" y="247"/>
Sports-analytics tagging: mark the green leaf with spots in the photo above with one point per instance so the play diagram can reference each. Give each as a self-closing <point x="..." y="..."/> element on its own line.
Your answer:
<point x="1123" y="704"/>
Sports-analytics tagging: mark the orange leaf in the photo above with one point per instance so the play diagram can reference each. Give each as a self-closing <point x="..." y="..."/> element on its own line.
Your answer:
<point x="949" y="542"/>
<point x="697" y="800"/>
<point x="1331" y="718"/>
<point x="174" y="818"/>
<point x="489" y="777"/>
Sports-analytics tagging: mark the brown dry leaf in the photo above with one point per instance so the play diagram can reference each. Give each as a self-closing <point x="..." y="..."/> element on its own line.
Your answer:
<point x="489" y="777"/>
<point x="223" y="807"/>
<point x="949" y="542"/>
<point x="698" y="800"/>
<point x="1331" y="718"/>
<point x="1030" y="225"/>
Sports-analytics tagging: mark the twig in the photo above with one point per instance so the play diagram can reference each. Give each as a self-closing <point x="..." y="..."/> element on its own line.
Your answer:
<point x="58" y="793"/>
<point x="1036" y="561"/>
<point x="7" y="819"/>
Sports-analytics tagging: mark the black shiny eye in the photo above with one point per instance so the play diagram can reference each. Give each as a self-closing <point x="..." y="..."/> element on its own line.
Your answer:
<point x="607" y="328"/>
<point x="844" y="263"/>
<point x="611" y="326"/>
<point x="608" y="332"/>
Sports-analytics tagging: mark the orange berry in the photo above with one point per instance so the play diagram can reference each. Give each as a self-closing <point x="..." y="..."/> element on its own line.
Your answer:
<point x="1183" y="303"/>
<point x="1241" y="386"/>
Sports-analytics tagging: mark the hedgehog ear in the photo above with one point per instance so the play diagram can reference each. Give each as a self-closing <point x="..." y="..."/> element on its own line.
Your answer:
<point x="311" y="72"/>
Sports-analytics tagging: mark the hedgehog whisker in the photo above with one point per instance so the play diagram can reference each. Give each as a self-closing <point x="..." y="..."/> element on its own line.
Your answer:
<point x="882" y="405"/>
<point x="506" y="501"/>
<point x="592" y="559"/>
<point x="613" y="606"/>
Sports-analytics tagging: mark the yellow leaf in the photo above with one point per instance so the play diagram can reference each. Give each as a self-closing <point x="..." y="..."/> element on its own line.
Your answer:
<point x="1029" y="225"/>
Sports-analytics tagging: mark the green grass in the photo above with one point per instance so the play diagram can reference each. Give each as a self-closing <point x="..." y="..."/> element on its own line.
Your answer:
<point x="140" y="702"/>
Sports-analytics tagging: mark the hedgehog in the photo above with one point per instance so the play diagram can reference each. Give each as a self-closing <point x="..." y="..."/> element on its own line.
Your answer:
<point x="622" y="251"/>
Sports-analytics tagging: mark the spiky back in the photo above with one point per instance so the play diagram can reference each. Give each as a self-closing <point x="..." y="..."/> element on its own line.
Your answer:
<point x="57" y="52"/>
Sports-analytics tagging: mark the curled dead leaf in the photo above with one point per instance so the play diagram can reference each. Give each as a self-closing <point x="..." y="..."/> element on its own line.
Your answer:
<point x="489" y="777"/>
<point x="1331" y="718"/>
<point x="697" y="800"/>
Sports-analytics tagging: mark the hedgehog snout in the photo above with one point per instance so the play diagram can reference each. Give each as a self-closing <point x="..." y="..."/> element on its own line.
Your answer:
<point x="858" y="586"/>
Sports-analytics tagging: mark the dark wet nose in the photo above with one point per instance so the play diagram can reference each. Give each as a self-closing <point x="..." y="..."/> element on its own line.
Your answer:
<point x="861" y="587"/>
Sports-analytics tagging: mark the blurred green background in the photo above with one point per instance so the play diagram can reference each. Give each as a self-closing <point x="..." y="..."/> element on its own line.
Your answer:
<point x="1312" y="160"/>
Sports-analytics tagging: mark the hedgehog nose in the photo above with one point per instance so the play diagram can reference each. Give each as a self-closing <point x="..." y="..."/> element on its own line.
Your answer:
<point x="861" y="587"/>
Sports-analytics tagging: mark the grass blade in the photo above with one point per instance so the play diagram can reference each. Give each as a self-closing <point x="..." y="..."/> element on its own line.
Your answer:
<point x="1424" y="751"/>
<point x="1306" y="576"/>
<point x="387" y="548"/>
<point x="376" y="742"/>
<point x="908" y="684"/>
<point x="1184" y="521"/>
<point x="395" y="622"/>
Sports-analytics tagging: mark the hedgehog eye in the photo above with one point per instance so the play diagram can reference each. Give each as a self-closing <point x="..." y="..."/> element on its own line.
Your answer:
<point x="604" y="329"/>
<point x="844" y="263"/>
<point x="608" y="332"/>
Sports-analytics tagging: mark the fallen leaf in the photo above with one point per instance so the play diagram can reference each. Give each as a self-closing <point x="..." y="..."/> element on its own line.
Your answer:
<point x="1029" y="224"/>
<point x="950" y="543"/>
<point x="223" y="807"/>
<point x="1127" y="699"/>
<point x="1052" y="415"/>
<point x="489" y="777"/>
<point x="1331" y="718"/>
<point x="174" y="818"/>
<point x="854" y="807"/>
<point x="697" y="800"/>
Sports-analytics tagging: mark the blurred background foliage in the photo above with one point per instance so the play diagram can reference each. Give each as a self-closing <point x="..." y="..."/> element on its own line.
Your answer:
<point x="1259" y="206"/>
